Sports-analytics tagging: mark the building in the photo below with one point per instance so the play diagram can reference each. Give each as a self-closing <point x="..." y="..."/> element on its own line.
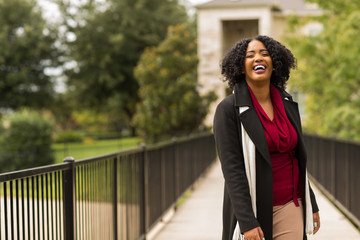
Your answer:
<point x="221" y="23"/>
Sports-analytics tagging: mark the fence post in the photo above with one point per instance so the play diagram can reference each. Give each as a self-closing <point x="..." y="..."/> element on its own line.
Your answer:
<point x="69" y="200"/>
<point x="115" y="193"/>
<point x="142" y="192"/>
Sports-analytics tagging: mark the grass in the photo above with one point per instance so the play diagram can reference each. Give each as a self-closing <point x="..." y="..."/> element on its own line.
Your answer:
<point x="92" y="148"/>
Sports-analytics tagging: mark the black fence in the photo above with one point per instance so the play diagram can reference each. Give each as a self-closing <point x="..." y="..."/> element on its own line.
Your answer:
<point x="335" y="165"/>
<point x="115" y="196"/>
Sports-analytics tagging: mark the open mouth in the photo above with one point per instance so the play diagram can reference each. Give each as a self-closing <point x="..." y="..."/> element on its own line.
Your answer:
<point x="259" y="68"/>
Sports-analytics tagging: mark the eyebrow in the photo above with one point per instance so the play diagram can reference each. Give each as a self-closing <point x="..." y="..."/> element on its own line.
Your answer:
<point x="261" y="50"/>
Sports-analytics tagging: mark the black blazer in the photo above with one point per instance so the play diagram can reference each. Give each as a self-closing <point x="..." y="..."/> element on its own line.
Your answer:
<point x="227" y="132"/>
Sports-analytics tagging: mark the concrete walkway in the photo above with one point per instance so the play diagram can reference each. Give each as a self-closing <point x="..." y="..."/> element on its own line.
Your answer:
<point x="200" y="217"/>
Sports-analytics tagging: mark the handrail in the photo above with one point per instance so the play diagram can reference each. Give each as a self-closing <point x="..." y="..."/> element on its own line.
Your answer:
<point x="334" y="165"/>
<point x="119" y="195"/>
<point x="32" y="172"/>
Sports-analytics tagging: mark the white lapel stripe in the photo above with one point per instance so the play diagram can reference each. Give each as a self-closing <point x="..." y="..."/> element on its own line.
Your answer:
<point x="309" y="224"/>
<point x="250" y="169"/>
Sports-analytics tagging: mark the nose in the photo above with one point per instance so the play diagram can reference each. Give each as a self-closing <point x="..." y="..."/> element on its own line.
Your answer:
<point x="258" y="58"/>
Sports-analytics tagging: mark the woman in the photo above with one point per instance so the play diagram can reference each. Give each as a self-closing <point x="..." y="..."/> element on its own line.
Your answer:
<point x="258" y="135"/>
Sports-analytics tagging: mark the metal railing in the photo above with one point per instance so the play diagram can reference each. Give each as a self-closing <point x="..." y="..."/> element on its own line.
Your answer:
<point x="115" y="196"/>
<point x="335" y="165"/>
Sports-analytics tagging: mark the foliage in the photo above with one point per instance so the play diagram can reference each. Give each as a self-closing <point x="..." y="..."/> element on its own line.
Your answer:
<point x="26" y="142"/>
<point x="105" y="42"/>
<point x="68" y="136"/>
<point x="100" y="124"/>
<point x="170" y="102"/>
<point x="62" y="110"/>
<point x="337" y="7"/>
<point x="27" y="49"/>
<point x="328" y="71"/>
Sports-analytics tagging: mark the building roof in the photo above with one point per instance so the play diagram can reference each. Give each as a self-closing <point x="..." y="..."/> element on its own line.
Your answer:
<point x="284" y="6"/>
<point x="232" y="3"/>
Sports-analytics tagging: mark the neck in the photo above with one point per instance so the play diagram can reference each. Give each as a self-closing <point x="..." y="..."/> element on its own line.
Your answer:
<point x="261" y="91"/>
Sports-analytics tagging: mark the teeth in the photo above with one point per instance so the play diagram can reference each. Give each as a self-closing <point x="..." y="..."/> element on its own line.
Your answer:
<point x="258" y="67"/>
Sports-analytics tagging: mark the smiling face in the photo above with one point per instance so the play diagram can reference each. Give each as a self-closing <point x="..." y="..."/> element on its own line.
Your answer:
<point x="258" y="63"/>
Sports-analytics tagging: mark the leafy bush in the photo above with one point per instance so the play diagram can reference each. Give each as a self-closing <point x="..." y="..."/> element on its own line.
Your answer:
<point x="68" y="136"/>
<point x="171" y="104"/>
<point x="328" y="72"/>
<point x="26" y="142"/>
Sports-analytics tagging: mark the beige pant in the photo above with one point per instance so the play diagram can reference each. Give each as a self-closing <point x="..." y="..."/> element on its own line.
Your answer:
<point x="288" y="221"/>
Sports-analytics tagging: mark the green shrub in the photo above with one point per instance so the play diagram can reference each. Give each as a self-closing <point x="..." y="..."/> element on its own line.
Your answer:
<point x="171" y="104"/>
<point x="26" y="142"/>
<point x="68" y="136"/>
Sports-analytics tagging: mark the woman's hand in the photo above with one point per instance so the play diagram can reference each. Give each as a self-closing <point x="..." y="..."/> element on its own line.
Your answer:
<point x="254" y="234"/>
<point x="316" y="219"/>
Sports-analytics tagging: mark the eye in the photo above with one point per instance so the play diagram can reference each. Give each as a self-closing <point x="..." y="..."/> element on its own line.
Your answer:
<point x="249" y="56"/>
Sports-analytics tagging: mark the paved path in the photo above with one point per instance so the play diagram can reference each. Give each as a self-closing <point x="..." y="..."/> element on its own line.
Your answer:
<point x="199" y="218"/>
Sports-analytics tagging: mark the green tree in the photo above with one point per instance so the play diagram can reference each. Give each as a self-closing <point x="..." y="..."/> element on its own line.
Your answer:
<point x="328" y="71"/>
<point x="27" y="49"/>
<point x="170" y="102"/>
<point x="26" y="142"/>
<point x="106" y="42"/>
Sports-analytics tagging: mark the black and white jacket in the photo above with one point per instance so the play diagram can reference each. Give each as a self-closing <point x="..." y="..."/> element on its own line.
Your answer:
<point x="237" y="206"/>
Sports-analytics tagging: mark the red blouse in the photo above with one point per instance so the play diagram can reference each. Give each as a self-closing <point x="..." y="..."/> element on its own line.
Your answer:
<point x="281" y="138"/>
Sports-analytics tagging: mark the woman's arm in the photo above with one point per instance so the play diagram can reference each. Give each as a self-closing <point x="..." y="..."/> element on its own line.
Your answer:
<point x="314" y="205"/>
<point x="229" y="148"/>
<point x="316" y="216"/>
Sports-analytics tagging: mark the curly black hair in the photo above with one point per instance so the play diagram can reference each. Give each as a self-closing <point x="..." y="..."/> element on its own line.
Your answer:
<point x="232" y="66"/>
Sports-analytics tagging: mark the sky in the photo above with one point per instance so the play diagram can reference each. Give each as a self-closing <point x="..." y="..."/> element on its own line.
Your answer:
<point x="197" y="1"/>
